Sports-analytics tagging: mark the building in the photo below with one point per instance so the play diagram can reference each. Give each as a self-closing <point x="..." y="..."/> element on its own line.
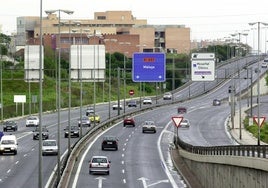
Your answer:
<point x="119" y="30"/>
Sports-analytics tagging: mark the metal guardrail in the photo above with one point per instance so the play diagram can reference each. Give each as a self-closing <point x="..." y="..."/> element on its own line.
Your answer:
<point x="260" y="151"/>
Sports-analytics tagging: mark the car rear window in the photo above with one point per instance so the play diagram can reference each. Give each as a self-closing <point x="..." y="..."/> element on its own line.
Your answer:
<point x="99" y="160"/>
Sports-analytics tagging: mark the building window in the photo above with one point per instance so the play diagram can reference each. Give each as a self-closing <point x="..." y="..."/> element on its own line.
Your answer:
<point x="101" y="18"/>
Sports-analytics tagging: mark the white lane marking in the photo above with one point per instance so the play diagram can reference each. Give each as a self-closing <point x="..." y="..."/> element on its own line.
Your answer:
<point x="17" y="162"/>
<point x="123" y="155"/>
<point x="84" y="155"/>
<point x="124" y="181"/>
<point x="171" y="179"/>
<point x="123" y="171"/>
<point x="122" y="162"/>
<point x="9" y="170"/>
<point x="100" y="181"/>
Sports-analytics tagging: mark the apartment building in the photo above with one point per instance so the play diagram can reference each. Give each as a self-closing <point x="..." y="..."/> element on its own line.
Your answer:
<point x="118" y="30"/>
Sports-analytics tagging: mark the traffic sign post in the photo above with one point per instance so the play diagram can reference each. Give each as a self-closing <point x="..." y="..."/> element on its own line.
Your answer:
<point x="149" y="67"/>
<point x="203" y="67"/>
<point x="177" y="121"/>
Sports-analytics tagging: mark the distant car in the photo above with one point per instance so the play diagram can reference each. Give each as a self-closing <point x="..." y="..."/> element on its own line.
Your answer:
<point x="264" y="64"/>
<point x="147" y="100"/>
<point x="265" y="59"/>
<point x="85" y="121"/>
<point x="129" y="120"/>
<point x="149" y="126"/>
<point x="216" y="102"/>
<point x="132" y="103"/>
<point x="74" y="131"/>
<point x="182" y="110"/>
<point x="45" y="133"/>
<point x="89" y="110"/>
<point x="10" y="125"/>
<point x="99" y="164"/>
<point x="94" y="118"/>
<point x="115" y="106"/>
<point x="32" y="121"/>
<point x="49" y="147"/>
<point x="109" y="142"/>
<point x="167" y="96"/>
<point x="185" y="123"/>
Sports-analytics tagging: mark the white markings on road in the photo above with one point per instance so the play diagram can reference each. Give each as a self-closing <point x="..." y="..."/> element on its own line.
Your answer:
<point x="143" y="179"/>
<point x="100" y="181"/>
<point x="171" y="179"/>
<point x="124" y="181"/>
<point x="123" y="155"/>
<point x="17" y="162"/>
<point x="123" y="171"/>
<point x="122" y="162"/>
<point x="9" y="170"/>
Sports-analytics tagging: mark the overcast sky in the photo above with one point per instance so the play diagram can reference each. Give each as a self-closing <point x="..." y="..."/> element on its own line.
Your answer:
<point x="208" y="19"/>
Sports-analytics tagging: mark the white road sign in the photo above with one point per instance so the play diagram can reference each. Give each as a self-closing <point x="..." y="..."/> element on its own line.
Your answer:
<point x="203" y="67"/>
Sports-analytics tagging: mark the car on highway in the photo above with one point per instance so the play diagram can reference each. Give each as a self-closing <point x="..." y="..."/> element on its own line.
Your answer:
<point x="185" y="123"/>
<point x="94" y="118"/>
<point x="50" y="147"/>
<point x="89" y="110"/>
<point x="115" y="106"/>
<point x="8" y="144"/>
<point x="167" y="96"/>
<point x="10" y="125"/>
<point x="32" y="121"/>
<point x="129" y="120"/>
<point x="264" y="64"/>
<point x="182" y="110"/>
<point x="84" y="121"/>
<point x="149" y="126"/>
<point x="74" y="131"/>
<point x="99" y="164"/>
<point x="109" y="142"/>
<point x="216" y="102"/>
<point x="45" y="133"/>
<point x="132" y="103"/>
<point x="147" y="100"/>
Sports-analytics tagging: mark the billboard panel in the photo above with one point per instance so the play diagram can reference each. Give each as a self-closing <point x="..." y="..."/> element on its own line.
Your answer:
<point x="32" y="63"/>
<point x="88" y="63"/>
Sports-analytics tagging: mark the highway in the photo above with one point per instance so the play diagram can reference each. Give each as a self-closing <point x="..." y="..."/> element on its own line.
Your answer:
<point x="142" y="159"/>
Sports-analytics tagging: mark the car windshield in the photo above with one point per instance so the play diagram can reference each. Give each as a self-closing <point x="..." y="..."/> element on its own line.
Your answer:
<point x="49" y="143"/>
<point x="32" y="118"/>
<point x="99" y="160"/>
<point x="109" y="138"/>
<point x="149" y="123"/>
<point x="9" y="122"/>
<point x="6" y="142"/>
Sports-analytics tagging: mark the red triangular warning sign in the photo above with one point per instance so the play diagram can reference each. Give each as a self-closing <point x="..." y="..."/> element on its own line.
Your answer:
<point x="256" y="119"/>
<point x="177" y="120"/>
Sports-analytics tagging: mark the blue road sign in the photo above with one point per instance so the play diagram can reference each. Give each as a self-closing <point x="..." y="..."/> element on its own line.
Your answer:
<point x="149" y="67"/>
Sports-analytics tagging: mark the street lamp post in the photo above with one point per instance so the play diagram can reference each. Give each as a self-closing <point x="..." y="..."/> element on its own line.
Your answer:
<point x="59" y="82"/>
<point x="258" y="80"/>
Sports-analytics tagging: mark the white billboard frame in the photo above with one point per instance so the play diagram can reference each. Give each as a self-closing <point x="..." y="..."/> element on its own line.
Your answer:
<point x="87" y="63"/>
<point x="32" y="63"/>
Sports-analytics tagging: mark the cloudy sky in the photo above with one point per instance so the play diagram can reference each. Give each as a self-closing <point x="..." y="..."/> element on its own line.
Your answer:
<point x="208" y="19"/>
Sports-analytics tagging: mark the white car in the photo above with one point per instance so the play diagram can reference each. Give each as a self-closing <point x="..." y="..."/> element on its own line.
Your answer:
<point x="115" y="106"/>
<point x="49" y="147"/>
<point x="149" y="126"/>
<point x="147" y="100"/>
<point x="8" y="144"/>
<point x="32" y="121"/>
<point x="185" y="123"/>
<point x="99" y="164"/>
<point x="167" y="96"/>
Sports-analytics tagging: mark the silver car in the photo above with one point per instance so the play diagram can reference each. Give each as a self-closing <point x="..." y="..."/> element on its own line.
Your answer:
<point x="185" y="123"/>
<point x="149" y="126"/>
<point x="49" y="147"/>
<point x="99" y="164"/>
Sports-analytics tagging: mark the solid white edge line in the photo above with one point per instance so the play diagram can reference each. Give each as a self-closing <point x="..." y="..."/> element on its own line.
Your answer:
<point x="171" y="179"/>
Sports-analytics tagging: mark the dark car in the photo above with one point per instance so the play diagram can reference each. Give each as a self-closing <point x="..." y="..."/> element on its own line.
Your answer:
<point x="128" y="120"/>
<point x="109" y="142"/>
<point x="216" y="102"/>
<point x="45" y="133"/>
<point x="182" y="110"/>
<point x="74" y="130"/>
<point x="132" y="103"/>
<point x="10" y="126"/>
<point x="89" y="110"/>
<point x="85" y="121"/>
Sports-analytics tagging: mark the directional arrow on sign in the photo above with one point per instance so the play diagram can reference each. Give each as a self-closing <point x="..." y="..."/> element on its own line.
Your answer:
<point x="177" y="120"/>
